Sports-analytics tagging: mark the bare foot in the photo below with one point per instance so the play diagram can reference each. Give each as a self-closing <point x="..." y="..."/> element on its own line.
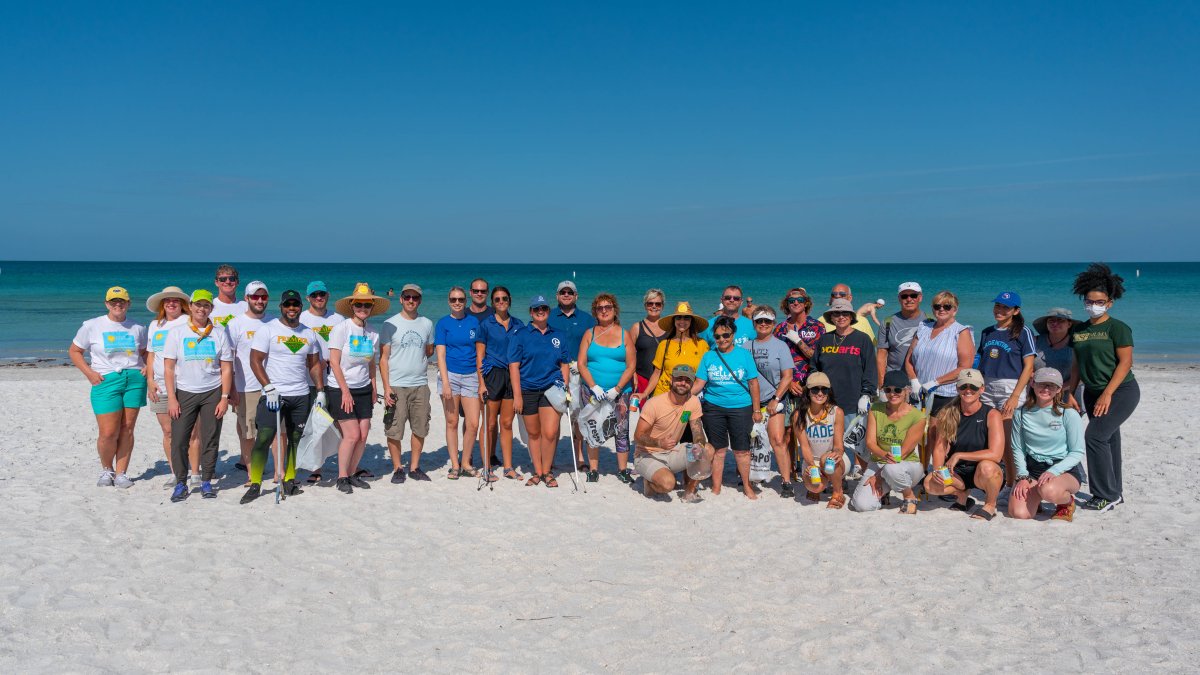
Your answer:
<point x="750" y="493"/>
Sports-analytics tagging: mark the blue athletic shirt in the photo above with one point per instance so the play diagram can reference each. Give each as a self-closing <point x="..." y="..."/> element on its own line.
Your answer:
<point x="745" y="331"/>
<point x="1001" y="355"/>
<point x="459" y="336"/>
<point x="573" y="327"/>
<point x="721" y="387"/>
<point x="539" y="356"/>
<point x="495" y="341"/>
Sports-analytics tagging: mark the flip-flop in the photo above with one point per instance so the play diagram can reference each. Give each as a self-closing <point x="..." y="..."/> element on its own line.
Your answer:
<point x="550" y="482"/>
<point x="981" y="514"/>
<point x="452" y="474"/>
<point x="469" y="471"/>
<point x="313" y="478"/>
<point x="836" y="502"/>
<point x="364" y="473"/>
<point x="965" y="508"/>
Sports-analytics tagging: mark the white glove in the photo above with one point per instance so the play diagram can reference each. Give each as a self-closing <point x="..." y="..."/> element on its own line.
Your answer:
<point x="271" y="396"/>
<point x="778" y="407"/>
<point x="598" y="392"/>
<point x="574" y="369"/>
<point x="612" y="394"/>
<point x="793" y="336"/>
<point x="320" y="400"/>
<point x="929" y="386"/>
<point x="864" y="404"/>
<point x="880" y="395"/>
<point x="915" y="385"/>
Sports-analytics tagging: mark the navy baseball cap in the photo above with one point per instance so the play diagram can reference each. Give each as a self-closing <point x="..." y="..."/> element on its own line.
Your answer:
<point x="538" y="301"/>
<point x="1008" y="299"/>
<point x="289" y="296"/>
<point x="316" y="287"/>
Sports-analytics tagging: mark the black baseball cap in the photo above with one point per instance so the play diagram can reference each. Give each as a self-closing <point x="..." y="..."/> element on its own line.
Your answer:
<point x="290" y="295"/>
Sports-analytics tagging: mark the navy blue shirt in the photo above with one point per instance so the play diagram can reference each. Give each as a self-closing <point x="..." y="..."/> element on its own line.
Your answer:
<point x="495" y="341"/>
<point x="1002" y="356"/>
<point x="539" y="356"/>
<point x="573" y="326"/>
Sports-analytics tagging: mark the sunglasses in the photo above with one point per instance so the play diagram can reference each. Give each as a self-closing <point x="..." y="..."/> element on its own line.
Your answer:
<point x="843" y="315"/>
<point x="479" y="290"/>
<point x="822" y="391"/>
<point x="797" y="300"/>
<point x="259" y="298"/>
<point x="1046" y="385"/>
<point x="967" y="387"/>
<point x="501" y="298"/>
<point x="893" y="390"/>
<point x="540" y="310"/>
<point x="289" y="304"/>
<point x="318" y="294"/>
<point x="653" y="304"/>
<point x="909" y="296"/>
<point x="410" y="298"/>
<point x="458" y="299"/>
<point x="226" y="280"/>
<point x="732" y="297"/>
<point x="943" y="308"/>
<point x="722" y="336"/>
<point x="838" y="294"/>
<point x="767" y="321"/>
<point x="362" y="305"/>
<point x="604" y="308"/>
<point x="566" y="291"/>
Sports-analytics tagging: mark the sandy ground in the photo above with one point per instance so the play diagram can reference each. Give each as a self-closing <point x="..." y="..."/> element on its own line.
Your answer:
<point x="440" y="577"/>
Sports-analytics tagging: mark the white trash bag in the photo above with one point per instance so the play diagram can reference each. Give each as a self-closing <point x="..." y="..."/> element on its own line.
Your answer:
<point x="575" y="386"/>
<point x="597" y="421"/>
<point x="319" y="441"/>
<point x="557" y="395"/>
<point x="760" y="454"/>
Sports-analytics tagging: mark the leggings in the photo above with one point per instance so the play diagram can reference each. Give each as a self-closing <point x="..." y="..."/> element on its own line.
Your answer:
<point x="1103" y="439"/>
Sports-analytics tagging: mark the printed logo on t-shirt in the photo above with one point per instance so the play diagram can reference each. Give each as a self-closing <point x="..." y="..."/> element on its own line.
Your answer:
<point x="119" y="341"/>
<point x="223" y="320"/>
<point x="471" y="332"/>
<point x="411" y="340"/>
<point x="717" y="373"/>
<point x="324" y="332"/>
<point x="293" y="342"/>
<point x="160" y="338"/>
<point x="556" y="342"/>
<point x="844" y="349"/>
<point x="196" y="349"/>
<point x="361" y="346"/>
<point x="1056" y="425"/>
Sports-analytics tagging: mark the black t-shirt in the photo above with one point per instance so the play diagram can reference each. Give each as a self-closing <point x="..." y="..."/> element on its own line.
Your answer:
<point x="849" y="362"/>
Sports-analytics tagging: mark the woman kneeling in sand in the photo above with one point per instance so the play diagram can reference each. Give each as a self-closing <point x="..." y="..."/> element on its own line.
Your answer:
<point x="1047" y="448"/>
<point x="819" y="426"/>
<point x="968" y="448"/>
<point x="894" y="430"/>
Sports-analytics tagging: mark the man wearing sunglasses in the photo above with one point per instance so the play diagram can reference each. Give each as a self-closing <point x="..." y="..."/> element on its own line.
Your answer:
<point x="897" y="331"/>
<point x="321" y="321"/>
<point x="226" y="305"/>
<point x="567" y="318"/>
<point x="731" y="306"/>
<point x="477" y="305"/>
<point x="842" y="292"/>
<point x="241" y="339"/>
<point x="406" y="343"/>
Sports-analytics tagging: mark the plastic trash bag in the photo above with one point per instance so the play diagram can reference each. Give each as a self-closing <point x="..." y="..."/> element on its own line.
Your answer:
<point x="597" y="421"/>
<point x="699" y="461"/>
<point x="575" y="386"/>
<point x="760" y="453"/>
<point x="557" y="395"/>
<point x="319" y="441"/>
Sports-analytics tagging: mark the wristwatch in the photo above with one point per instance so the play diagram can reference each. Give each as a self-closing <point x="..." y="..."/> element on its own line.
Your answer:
<point x="1021" y="478"/>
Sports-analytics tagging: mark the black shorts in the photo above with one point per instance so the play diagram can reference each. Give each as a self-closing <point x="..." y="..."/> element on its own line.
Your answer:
<point x="533" y="399"/>
<point x="293" y="412"/>
<point x="1036" y="469"/>
<point x="727" y="427"/>
<point x="499" y="384"/>
<point x="363" y="403"/>
<point x="938" y="403"/>
<point x="966" y="471"/>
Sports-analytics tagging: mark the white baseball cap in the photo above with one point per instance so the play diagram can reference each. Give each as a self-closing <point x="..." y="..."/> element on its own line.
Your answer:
<point x="909" y="286"/>
<point x="255" y="286"/>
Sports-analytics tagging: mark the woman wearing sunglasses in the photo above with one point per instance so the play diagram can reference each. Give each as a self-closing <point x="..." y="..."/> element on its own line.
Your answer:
<point x="729" y="379"/>
<point x="819" y="426"/>
<point x="847" y="356"/>
<point x="775" y="368"/>
<point x="647" y="335"/>
<point x="606" y="365"/>
<point x="1047" y="449"/>
<point x="351" y="380"/>
<point x="538" y="360"/>
<point x="497" y="390"/>
<point x="458" y="342"/>
<point x="968" y="447"/>
<point x="1006" y="355"/>
<point x="941" y="349"/>
<point x="680" y="345"/>
<point x="894" y="430"/>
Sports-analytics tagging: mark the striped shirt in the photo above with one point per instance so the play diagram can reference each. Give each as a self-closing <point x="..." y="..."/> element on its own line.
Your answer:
<point x="933" y="357"/>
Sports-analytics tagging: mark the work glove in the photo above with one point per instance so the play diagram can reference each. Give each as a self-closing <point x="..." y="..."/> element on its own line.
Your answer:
<point x="320" y="400"/>
<point x="598" y="392"/>
<point x="864" y="404"/>
<point x="271" y="396"/>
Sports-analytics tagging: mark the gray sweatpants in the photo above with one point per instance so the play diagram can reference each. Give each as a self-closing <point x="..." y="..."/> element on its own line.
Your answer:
<point x="899" y="477"/>
<point x="193" y="408"/>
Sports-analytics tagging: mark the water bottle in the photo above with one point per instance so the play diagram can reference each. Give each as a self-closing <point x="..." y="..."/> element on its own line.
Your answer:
<point x="830" y="465"/>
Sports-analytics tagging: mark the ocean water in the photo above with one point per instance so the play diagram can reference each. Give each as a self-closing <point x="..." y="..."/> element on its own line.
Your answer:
<point x="43" y="303"/>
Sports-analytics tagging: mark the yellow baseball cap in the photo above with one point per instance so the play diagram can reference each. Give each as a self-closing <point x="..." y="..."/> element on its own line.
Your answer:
<point x="116" y="293"/>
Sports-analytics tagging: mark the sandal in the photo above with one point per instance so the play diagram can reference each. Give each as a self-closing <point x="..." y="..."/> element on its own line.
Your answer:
<point x="452" y="474"/>
<point x="364" y="473"/>
<point x="313" y="478"/>
<point x="908" y="507"/>
<point x="965" y="508"/>
<point x="533" y="480"/>
<point x="550" y="482"/>
<point x="836" y="501"/>
<point x="469" y="471"/>
<point x="982" y="514"/>
<point x="814" y="497"/>
<point x="511" y="474"/>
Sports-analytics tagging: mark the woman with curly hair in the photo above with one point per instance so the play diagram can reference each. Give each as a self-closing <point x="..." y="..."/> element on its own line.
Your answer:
<point x="1103" y="362"/>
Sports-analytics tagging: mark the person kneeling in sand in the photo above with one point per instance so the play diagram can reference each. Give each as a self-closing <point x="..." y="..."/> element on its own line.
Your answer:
<point x="894" y="430"/>
<point x="969" y="445"/>
<point x="666" y="423"/>
<point x="1047" y="448"/>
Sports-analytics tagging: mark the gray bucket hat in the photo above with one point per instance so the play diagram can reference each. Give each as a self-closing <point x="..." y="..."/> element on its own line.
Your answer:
<point x="838" y="305"/>
<point x="1039" y="324"/>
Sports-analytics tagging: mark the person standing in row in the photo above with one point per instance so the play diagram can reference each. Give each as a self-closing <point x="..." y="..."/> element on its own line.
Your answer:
<point x="458" y="342"/>
<point x="729" y="379"/>
<point x="1047" y="448"/>
<point x="898" y="330"/>
<point x="321" y="321"/>
<point x="478" y="306"/>
<point x="801" y="332"/>
<point x="241" y="337"/>
<point x="199" y="379"/>
<point x="775" y="369"/>
<point x="607" y="373"/>
<point x="226" y="305"/>
<point x="969" y="445"/>
<point x="1053" y="344"/>
<point x="170" y="307"/>
<point x="860" y="322"/>
<point x="894" y="430"/>
<point x="286" y="359"/>
<point x="1006" y="355"/>
<point x="1104" y="363"/>
<point x="351" y="379"/>
<point x="405" y="345"/>
<point x="678" y="346"/>
<point x="497" y="391"/>
<point x="568" y="320"/>
<point x="941" y="349"/>
<point x="731" y="306"/>
<point x="538" y="360"/>
<point x="847" y="356"/>
<point x="116" y="346"/>
<point x="646" y="336"/>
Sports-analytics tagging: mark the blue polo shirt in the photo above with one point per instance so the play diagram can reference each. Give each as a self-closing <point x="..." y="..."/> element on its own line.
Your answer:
<point x="745" y="331"/>
<point x="495" y="341"/>
<point x="538" y="355"/>
<point x="573" y="326"/>
<point x="459" y="337"/>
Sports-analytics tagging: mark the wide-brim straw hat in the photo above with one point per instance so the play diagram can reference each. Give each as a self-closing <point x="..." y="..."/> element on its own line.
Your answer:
<point x="362" y="291"/>
<point x="699" y="323"/>
<point x="153" y="302"/>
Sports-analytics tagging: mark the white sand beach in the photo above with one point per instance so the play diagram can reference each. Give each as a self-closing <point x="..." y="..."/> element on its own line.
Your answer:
<point x="441" y="577"/>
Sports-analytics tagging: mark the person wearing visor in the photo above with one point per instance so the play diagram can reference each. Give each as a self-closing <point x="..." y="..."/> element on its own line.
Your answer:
<point x="116" y="369"/>
<point x="775" y="371"/>
<point x="241" y="337"/>
<point x="968" y="449"/>
<point x="538" y="360"/>
<point x="1048" y="447"/>
<point x="199" y="378"/>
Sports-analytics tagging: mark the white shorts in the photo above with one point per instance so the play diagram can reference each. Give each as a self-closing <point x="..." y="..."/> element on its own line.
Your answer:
<point x="461" y="385"/>
<point x="996" y="392"/>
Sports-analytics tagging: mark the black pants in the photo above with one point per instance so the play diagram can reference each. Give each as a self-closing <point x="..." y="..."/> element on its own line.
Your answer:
<point x="1103" y="439"/>
<point x="200" y="407"/>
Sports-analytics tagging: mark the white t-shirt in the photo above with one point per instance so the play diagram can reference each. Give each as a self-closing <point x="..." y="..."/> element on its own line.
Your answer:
<point x="407" y="362"/>
<point x="287" y="353"/>
<point x="197" y="360"/>
<point x="358" y="346"/>
<point x="112" y="346"/>
<point x="223" y="312"/>
<point x="241" y="336"/>
<point x="323" y="327"/>
<point x="157" y="338"/>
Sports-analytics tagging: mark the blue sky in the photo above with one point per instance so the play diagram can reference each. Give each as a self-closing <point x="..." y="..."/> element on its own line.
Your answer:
<point x="597" y="132"/>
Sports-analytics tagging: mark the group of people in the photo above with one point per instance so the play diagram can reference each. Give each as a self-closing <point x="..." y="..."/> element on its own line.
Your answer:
<point x="912" y="405"/>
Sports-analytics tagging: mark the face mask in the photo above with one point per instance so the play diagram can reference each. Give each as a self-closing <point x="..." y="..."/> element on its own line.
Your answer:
<point x="1096" y="311"/>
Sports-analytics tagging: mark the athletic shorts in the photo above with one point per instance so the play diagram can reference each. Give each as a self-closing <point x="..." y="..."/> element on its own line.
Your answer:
<point x="996" y="392"/>
<point x="120" y="390"/>
<point x="499" y="384"/>
<point x="650" y="463"/>
<point x="966" y="471"/>
<point x="412" y="408"/>
<point x="461" y="385"/>
<point x="293" y="412"/>
<point x="641" y="383"/>
<point x="364" y="403"/>
<point x="247" y="408"/>
<point x="532" y="399"/>
<point x="727" y="427"/>
<point x="1036" y="469"/>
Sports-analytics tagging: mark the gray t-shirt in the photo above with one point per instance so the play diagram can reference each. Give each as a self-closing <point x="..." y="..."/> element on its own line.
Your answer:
<point x="407" y="362"/>
<point x="895" y="335"/>
<point x="772" y="357"/>
<point x="1059" y="359"/>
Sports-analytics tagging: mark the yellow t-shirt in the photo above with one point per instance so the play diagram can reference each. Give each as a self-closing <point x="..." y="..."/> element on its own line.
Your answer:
<point x="889" y="432"/>
<point x="860" y="323"/>
<point x="671" y="353"/>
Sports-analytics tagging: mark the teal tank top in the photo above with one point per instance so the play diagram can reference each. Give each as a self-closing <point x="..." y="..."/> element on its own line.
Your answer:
<point x="607" y="363"/>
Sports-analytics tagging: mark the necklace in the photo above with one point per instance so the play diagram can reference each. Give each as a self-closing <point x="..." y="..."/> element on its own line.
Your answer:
<point x="817" y="420"/>
<point x="598" y="333"/>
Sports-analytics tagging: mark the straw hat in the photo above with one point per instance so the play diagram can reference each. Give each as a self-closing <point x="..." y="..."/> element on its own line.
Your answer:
<point x="153" y="302"/>
<point x="699" y="323"/>
<point x="362" y="291"/>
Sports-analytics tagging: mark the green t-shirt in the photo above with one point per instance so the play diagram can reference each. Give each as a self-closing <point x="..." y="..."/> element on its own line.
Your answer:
<point x="1095" y="348"/>
<point x="892" y="432"/>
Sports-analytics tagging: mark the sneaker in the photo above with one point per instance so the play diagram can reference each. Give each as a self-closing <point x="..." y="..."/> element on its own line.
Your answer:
<point x="786" y="490"/>
<point x="106" y="478"/>
<point x="343" y="484"/>
<point x="398" y="476"/>
<point x="180" y="492"/>
<point x="254" y="492"/>
<point x="290" y="489"/>
<point x="359" y="483"/>
<point x="206" y="490"/>
<point x="1102" y="505"/>
<point x="122" y="481"/>
<point x="625" y="476"/>
<point x="593" y="476"/>
<point x="1065" y="512"/>
<point x="855" y="474"/>
<point x="418" y="474"/>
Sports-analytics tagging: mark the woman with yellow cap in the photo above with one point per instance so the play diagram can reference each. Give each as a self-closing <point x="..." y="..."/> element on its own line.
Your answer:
<point x="351" y="380"/>
<point x="680" y="345"/>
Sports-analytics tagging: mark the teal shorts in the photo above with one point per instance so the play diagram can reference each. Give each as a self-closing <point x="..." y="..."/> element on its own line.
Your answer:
<point x="117" y="391"/>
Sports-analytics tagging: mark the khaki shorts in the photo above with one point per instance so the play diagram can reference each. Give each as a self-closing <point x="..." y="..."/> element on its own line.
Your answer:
<point x="649" y="464"/>
<point x="246" y="408"/>
<point x="412" y="408"/>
